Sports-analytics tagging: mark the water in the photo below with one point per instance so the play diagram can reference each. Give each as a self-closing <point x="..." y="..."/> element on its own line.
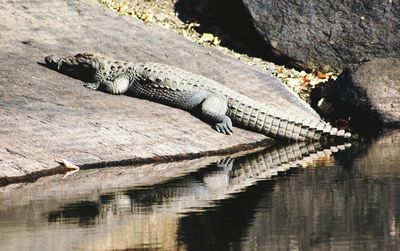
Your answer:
<point x="328" y="199"/>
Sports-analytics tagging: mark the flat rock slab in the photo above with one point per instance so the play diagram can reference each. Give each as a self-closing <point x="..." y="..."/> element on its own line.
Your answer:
<point x="46" y="116"/>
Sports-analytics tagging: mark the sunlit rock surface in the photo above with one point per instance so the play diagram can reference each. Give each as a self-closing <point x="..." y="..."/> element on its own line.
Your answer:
<point x="46" y="116"/>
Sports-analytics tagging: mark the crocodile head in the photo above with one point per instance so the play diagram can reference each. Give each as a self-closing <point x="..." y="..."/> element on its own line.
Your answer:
<point x="82" y="66"/>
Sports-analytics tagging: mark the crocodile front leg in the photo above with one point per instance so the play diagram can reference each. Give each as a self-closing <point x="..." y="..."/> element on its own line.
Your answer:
<point x="118" y="85"/>
<point x="213" y="109"/>
<point x="92" y="86"/>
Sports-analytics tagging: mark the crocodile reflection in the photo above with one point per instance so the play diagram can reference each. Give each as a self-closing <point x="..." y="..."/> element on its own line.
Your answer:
<point x="206" y="187"/>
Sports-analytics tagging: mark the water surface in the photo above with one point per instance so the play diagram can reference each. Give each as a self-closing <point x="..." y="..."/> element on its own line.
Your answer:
<point x="289" y="197"/>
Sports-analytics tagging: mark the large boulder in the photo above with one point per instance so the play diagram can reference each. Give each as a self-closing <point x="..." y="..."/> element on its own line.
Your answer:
<point x="47" y="116"/>
<point x="328" y="34"/>
<point x="367" y="93"/>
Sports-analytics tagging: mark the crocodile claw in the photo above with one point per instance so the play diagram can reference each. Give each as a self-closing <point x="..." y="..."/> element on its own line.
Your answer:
<point x="91" y="86"/>
<point x="225" y="126"/>
<point x="225" y="164"/>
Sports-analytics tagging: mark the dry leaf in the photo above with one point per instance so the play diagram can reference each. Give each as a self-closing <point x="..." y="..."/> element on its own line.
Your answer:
<point x="192" y="25"/>
<point x="72" y="168"/>
<point x="216" y="41"/>
<point x="280" y="69"/>
<point x="67" y="164"/>
<point x="306" y="79"/>
<point x="321" y="75"/>
<point x="206" y="37"/>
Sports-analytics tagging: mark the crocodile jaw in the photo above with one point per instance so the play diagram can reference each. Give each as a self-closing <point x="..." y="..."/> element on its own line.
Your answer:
<point x="80" y="66"/>
<point x="52" y="62"/>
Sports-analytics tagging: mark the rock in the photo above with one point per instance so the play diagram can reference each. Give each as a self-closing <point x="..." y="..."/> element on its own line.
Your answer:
<point x="46" y="116"/>
<point x="328" y="34"/>
<point x="368" y="93"/>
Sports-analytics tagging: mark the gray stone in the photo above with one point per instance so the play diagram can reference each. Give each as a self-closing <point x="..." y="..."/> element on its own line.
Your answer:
<point x="368" y="93"/>
<point x="46" y="116"/>
<point x="328" y="34"/>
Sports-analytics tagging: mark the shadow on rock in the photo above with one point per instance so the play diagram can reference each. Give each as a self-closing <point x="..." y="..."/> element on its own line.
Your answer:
<point x="231" y="22"/>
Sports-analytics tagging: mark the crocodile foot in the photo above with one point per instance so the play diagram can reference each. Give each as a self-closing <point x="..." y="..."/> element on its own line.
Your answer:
<point x="226" y="164"/>
<point x="91" y="86"/>
<point x="225" y="126"/>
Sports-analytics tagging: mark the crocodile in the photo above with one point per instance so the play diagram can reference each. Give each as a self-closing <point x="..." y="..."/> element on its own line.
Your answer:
<point x="231" y="175"/>
<point x="211" y="101"/>
<point x="211" y="186"/>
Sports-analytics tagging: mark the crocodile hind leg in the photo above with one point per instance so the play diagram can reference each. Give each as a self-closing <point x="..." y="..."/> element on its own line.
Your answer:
<point x="214" y="109"/>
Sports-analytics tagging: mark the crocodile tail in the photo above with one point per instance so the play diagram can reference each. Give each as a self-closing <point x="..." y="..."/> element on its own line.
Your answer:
<point x="271" y="161"/>
<point x="269" y="121"/>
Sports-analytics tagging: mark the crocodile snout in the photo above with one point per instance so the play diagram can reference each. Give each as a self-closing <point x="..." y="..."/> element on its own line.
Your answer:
<point x="52" y="61"/>
<point x="80" y="66"/>
<point x="49" y="59"/>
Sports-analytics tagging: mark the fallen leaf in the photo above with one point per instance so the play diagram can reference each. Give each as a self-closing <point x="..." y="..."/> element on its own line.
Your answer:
<point x="216" y="41"/>
<point x="192" y="25"/>
<point x="68" y="164"/>
<point x="72" y="168"/>
<point x="280" y="69"/>
<point x="321" y="75"/>
<point x="207" y="37"/>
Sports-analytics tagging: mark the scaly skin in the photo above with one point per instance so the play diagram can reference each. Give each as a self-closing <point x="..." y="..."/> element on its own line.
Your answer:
<point x="214" y="103"/>
<point x="268" y="163"/>
<point x="233" y="175"/>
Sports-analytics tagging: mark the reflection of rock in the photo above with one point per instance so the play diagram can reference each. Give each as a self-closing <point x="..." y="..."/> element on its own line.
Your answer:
<point x="157" y="231"/>
<point x="125" y="216"/>
<point x="328" y="34"/>
<point x="382" y="158"/>
<point x="105" y="179"/>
